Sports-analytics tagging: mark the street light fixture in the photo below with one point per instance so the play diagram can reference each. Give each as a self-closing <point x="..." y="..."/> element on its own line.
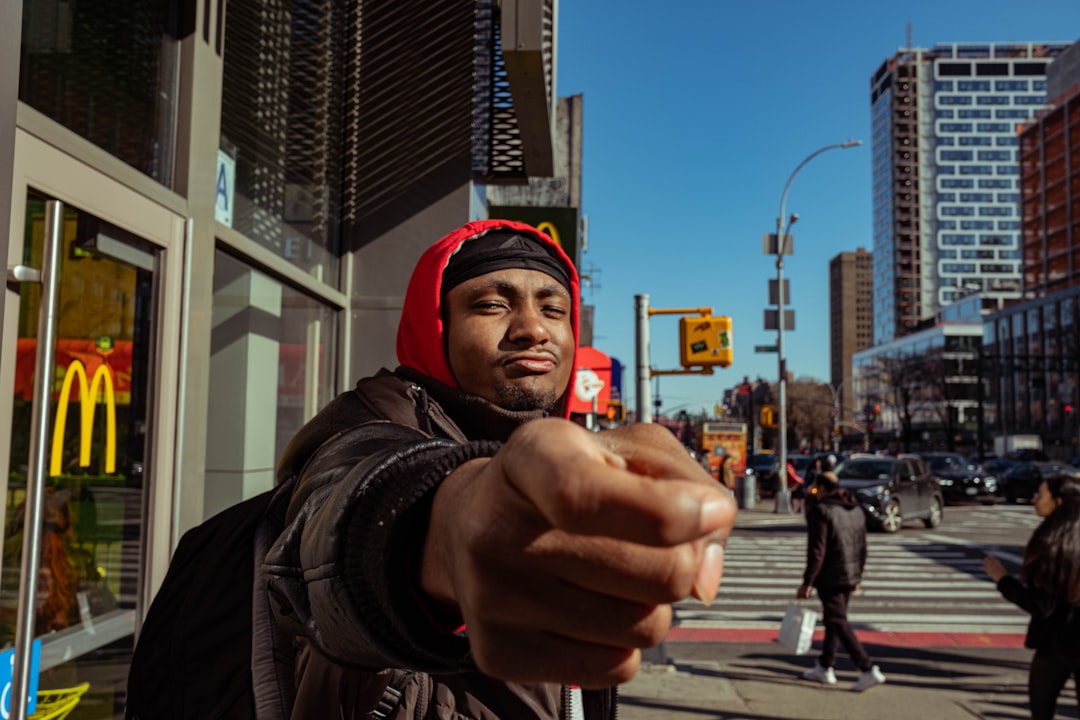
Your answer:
<point x="783" y="494"/>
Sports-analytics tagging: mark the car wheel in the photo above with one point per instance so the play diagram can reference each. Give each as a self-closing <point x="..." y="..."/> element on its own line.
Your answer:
<point x="934" y="518"/>
<point x="892" y="518"/>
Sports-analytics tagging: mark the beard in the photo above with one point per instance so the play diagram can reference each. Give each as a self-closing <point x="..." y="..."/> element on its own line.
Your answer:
<point x="514" y="397"/>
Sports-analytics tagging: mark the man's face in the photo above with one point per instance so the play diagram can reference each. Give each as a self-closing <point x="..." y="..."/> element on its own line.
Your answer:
<point x="509" y="338"/>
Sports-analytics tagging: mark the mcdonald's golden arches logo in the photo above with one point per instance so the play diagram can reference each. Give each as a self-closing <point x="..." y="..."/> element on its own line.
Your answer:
<point x="88" y="400"/>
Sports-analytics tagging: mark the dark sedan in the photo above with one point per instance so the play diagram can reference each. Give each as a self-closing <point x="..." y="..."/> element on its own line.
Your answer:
<point x="1021" y="480"/>
<point x="961" y="480"/>
<point x="763" y="466"/>
<point x="893" y="490"/>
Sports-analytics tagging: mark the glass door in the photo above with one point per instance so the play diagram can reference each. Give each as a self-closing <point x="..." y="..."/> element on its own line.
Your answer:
<point x="90" y="546"/>
<point x="97" y="499"/>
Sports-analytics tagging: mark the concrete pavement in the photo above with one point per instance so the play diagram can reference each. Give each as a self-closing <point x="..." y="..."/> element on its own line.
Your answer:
<point x="759" y="681"/>
<point x="740" y="675"/>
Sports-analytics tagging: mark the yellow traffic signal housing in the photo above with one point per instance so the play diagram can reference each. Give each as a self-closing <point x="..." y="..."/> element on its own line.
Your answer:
<point x="616" y="411"/>
<point x="768" y="416"/>
<point x="705" y="341"/>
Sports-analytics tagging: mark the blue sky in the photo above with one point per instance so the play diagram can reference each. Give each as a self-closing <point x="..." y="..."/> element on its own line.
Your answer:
<point x="695" y="115"/>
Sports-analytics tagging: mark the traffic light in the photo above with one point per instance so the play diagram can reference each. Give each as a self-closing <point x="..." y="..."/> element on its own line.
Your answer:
<point x="768" y="416"/>
<point x="705" y="341"/>
<point x="615" y="411"/>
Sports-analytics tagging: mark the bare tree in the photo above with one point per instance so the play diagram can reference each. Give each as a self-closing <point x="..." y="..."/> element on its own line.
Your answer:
<point x="904" y="377"/>
<point x="810" y="413"/>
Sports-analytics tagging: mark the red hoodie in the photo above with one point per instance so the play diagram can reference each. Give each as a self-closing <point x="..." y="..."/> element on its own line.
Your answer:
<point x="420" y="343"/>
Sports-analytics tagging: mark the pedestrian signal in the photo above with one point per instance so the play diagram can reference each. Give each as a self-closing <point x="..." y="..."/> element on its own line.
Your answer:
<point x="705" y="341"/>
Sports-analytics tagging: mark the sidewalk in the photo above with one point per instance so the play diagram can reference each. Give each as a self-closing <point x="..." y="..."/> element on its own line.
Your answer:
<point x="743" y="681"/>
<point x="746" y="675"/>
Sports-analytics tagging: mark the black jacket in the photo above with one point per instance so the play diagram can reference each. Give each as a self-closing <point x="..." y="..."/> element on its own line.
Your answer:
<point x="341" y="573"/>
<point x="836" y="541"/>
<point x="1054" y="625"/>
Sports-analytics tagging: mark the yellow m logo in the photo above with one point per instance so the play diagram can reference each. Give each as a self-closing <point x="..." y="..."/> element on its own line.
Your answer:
<point x="88" y="395"/>
<point x="551" y="231"/>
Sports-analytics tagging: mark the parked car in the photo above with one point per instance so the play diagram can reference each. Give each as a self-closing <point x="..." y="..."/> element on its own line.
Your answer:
<point x="962" y="480"/>
<point x="1023" y="478"/>
<point x="764" y="467"/>
<point x="893" y="490"/>
<point x="1027" y="454"/>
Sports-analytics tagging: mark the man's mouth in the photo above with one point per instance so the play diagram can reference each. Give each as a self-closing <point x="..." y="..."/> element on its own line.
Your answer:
<point x="532" y="364"/>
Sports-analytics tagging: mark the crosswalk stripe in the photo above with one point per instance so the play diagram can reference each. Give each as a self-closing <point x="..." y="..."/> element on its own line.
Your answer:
<point x="914" y="583"/>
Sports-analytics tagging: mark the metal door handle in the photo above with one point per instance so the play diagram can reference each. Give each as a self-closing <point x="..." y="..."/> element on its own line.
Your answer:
<point x="23" y="274"/>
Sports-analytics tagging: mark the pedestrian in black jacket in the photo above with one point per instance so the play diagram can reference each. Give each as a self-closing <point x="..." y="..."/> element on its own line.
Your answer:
<point x="835" y="557"/>
<point x="1049" y="589"/>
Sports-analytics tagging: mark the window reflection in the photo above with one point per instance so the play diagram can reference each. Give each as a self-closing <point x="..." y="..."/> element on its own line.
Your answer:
<point x="105" y="70"/>
<point x="90" y="564"/>
<point x="271" y="369"/>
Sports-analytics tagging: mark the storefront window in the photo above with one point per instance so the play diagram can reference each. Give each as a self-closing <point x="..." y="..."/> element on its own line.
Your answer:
<point x="272" y="368"/>
<point x="90" y="566"/>
<point x="281" y="127"/>
<point x="106" y="70"/>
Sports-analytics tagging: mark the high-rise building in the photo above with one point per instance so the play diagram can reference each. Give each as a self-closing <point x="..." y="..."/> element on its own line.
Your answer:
<point x="1050" y="159"/>
<point x="1040" y="397"/>
<point x="946" y="195"/>
<point x="851" y="277"/>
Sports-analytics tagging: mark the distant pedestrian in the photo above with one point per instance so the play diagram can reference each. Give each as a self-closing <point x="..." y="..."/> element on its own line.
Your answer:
<point x="724" y="472"/>
<point x="798" y="493"/>
<point x="835" y="558"/>
<point x="1049" y="589"/>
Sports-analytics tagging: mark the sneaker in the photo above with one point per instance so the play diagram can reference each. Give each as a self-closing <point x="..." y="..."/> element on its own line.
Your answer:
<point x="868" y="679"/>
<point x="823" y="675"/>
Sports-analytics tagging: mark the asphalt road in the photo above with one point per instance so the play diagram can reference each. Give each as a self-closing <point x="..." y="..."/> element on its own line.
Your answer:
<point x="917" y="580"/>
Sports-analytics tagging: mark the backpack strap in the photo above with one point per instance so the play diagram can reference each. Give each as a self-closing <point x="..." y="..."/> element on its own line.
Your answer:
<point x="272" y="650"/>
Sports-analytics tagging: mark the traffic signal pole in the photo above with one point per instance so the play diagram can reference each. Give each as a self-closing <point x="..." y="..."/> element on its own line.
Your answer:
<point x="644" y="392"/>
<point x="644" y="369"/>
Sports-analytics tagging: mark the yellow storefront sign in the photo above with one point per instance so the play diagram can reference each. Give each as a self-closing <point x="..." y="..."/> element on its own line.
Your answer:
<point x="88" y="399"/>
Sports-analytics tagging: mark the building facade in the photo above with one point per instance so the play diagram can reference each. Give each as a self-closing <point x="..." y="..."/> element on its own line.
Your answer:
<point x="1050" y="184"/>
<point x="1032" y="348"/>
<point x="851" y="324"/>
<point x="921" y="391"/>
<point x="212" y="210"/>
<point x="946" y="194"/>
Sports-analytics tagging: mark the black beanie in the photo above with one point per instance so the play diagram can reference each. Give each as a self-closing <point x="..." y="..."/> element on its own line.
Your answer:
<point x="501" y="250"/>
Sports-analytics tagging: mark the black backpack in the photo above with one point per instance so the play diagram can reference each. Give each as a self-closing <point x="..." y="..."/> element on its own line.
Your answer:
<point x="193" y="659"/>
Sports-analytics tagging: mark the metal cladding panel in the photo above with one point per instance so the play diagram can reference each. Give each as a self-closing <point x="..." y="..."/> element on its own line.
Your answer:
<point x="434" y="100"/>
<point x="528" y="51"/>
<point x="409" y="110"/>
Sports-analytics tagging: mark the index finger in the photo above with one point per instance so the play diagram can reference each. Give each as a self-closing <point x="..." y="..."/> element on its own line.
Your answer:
<point x="577" y="490"/>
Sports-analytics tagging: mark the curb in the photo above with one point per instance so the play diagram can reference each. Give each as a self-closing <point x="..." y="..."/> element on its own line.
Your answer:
<point x="870" y="637"/>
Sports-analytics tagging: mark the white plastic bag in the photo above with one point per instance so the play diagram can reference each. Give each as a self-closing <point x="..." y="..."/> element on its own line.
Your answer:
<point x="797" y="628"/>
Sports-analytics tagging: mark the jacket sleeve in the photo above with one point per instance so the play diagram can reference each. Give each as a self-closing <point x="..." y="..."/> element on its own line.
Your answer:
<point x="817" y="536"/>
<point x="1033" y="601"/>
<point x="342" y="573"/>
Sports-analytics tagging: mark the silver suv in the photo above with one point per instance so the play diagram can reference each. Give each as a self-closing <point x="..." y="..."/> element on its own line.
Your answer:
<point x="893" y="490"/>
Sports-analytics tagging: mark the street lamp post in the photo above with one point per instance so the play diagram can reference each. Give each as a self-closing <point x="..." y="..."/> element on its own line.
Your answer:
<point x="837" y="417"/>
<point x="783" y="494"/>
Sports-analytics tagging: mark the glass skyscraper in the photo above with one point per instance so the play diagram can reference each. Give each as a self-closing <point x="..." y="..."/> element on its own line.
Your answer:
<point x="946" y="177"/>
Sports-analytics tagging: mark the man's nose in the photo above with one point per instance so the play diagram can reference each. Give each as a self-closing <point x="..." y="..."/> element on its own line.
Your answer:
<point x="528" y="324"/>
